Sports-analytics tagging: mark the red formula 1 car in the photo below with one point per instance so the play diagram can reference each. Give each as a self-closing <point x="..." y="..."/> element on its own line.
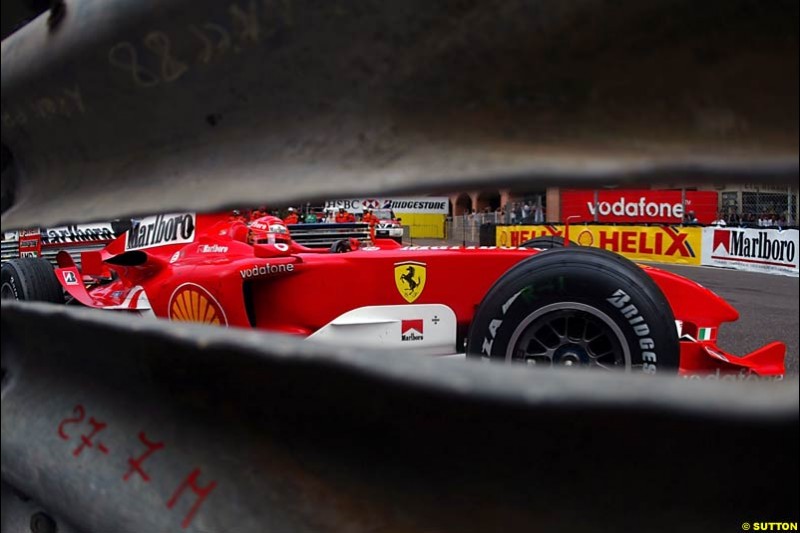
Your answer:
<point x="544" y="304"/>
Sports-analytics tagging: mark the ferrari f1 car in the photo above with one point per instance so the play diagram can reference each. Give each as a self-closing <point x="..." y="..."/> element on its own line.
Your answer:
<point x="543" y="304"/>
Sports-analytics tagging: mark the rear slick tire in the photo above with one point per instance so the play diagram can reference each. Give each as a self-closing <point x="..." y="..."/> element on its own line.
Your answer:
<point x="32" y="279"/>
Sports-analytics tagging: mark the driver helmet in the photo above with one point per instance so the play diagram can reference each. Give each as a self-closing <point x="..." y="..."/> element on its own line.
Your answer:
<point x="268" y="230"/>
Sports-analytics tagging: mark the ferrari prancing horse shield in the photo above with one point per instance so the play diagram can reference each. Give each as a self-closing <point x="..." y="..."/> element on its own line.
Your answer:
<point x="409" y="276"/>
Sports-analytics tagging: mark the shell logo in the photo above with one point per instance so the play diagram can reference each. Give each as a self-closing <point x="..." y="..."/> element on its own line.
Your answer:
<point x="586" y="238"/>
<point x="193" y="303"/>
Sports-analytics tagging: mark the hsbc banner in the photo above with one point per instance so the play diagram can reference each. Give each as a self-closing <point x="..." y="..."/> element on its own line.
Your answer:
<point x="433" y="205"/>
<point x="758" y="250"/>
<point x="662" y="244"/>
<point x="638" y="205"/>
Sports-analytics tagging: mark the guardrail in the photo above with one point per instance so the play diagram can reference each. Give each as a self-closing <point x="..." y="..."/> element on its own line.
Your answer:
<point x="10" y="250"/>
<point x="325" y="234"/>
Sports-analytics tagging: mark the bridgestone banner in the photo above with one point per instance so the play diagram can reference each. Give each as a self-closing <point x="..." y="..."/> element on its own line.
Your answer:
<point x="757" y="250"/>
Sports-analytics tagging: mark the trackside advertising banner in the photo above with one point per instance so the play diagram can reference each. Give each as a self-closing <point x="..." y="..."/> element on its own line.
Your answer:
<point x="84" y="233"/>
<point x="432" y="205"/>
<point x="663" y="244"/>
<point x="638" y="205"/>
<point x="757" y="250"/>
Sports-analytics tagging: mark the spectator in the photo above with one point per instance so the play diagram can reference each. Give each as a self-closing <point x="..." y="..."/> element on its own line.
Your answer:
<point x="341" y="216"/>
<point x="237" y="215"/>
<point x="518" y="211"/>
<point x="538" y="214"/>
<point x="690" y="218"/>
<point x="720" y="220"/>
<point x="526" y="210"/>
<point x="292" y="217"/>
<point x="311" y="218"/>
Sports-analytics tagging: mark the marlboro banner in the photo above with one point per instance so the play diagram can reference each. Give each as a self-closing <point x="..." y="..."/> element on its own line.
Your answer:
<point x="771" y="251"/>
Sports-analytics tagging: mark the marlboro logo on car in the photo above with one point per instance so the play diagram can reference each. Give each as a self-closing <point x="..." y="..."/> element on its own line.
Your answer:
<point x="160" y="230"/>
<point x="411" y="330"/>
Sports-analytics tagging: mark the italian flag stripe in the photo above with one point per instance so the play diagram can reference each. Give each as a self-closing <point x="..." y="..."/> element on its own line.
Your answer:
<point x="704" y="334"/>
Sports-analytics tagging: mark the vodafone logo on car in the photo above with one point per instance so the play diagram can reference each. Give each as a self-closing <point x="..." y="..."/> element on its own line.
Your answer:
<point x="638" y="205"/>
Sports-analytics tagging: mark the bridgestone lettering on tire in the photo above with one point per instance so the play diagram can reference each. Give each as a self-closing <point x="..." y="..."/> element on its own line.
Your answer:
<point x="577" y="306"/>
<point x="30" y="279"/>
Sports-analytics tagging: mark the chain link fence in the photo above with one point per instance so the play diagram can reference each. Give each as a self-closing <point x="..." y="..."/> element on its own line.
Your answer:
<point x="467" y="228"/>
<point x="761" y="208"/>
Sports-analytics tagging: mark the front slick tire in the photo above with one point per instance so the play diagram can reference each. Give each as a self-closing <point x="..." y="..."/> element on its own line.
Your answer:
<point x="577" y="307"/>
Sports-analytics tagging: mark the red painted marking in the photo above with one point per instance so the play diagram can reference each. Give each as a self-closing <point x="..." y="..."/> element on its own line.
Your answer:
<point x="136" y="464"/>
<point x="78" y="410"/>
<point x="201" y="492"/>
<point x="756" y="261"/>
<point x="86" y="440"/>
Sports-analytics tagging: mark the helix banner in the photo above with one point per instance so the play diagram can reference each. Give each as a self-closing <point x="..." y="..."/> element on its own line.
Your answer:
<point x="663" y="244"/>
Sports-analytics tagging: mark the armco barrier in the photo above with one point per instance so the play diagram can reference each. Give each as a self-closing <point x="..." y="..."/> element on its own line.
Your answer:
<point x="664" y="244"/>
<point x="767" y="250"/>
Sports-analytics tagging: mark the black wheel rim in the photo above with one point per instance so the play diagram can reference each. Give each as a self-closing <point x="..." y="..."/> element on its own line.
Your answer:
<point x="571" y="335"/>
<point x="7" y="292"/>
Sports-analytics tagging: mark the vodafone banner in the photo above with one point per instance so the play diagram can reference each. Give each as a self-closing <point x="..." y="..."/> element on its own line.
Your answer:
<point x="638" y="205"/>
<point x="663" y="244"/>
<point x="759" y="250"/>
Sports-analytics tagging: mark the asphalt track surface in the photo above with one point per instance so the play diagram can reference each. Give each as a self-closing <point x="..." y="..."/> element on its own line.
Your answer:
<point x="767" y="305"/>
